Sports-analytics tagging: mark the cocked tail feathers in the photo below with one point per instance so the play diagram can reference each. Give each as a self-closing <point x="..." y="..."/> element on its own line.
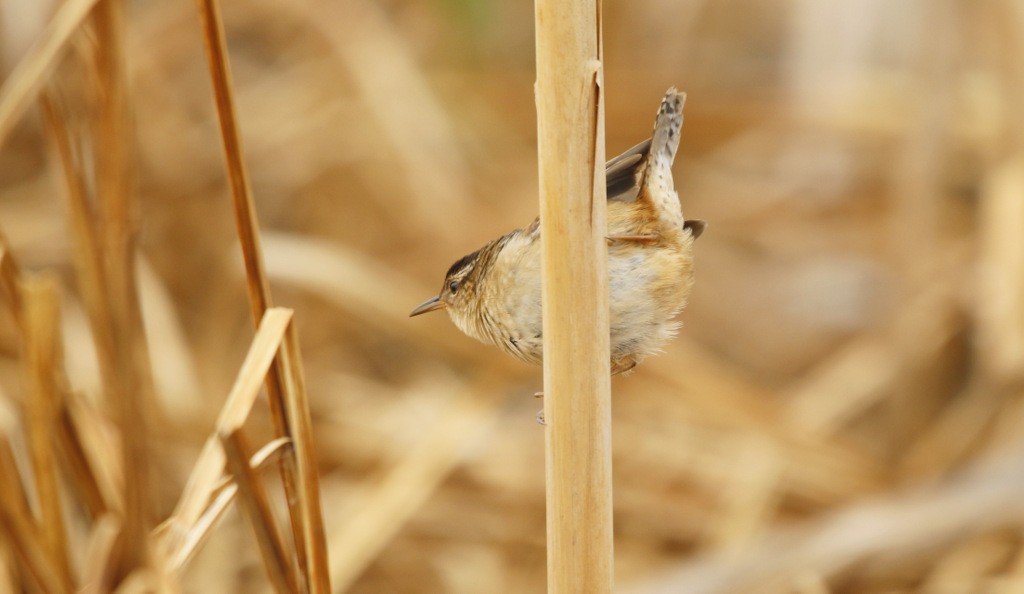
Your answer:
<point x="669" y="122"/>
<point x="622" y="171"/>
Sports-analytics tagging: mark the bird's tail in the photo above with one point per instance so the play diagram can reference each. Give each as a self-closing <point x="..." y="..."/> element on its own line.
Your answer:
<point x="668" y="124"/>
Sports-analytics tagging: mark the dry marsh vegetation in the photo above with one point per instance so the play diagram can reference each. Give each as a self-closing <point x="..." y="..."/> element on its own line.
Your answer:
<point x="842" y="411"/>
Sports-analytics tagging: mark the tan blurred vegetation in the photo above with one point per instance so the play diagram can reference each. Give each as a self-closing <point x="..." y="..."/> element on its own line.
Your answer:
<point x="842" y="411"/>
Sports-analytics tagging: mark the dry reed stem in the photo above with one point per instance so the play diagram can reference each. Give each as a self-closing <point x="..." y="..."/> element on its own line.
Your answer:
<point x="205" y="498"/>
<point x="12" y="489"/>
<point x="90" y="275"/>
<point x="30" y="549"/>
<point x="206" y="473"/>
<point x="100" y="452"/>
<point x="220" y="499"/>
<point x="256" y="504"/>
<point x="129" y="383"/>
<point x="81" y="468"/>
<point x="194" y="538"/>
<point x="93" y="275"/>
<point x="248" y="234"/>
<point x="29" y="76"/>
<point x="10" y="581"/>
<point x="15" y="511"/>
<point x="9" y="278"/>
<point x="88" y="253"/>
<point x="577" y="386"/>
<point x="36" y="547"/>
<point x="238" y="177"/>
<point x="96" y="483"/>
<point x="105" y="274"/>
<point x="299" y="430"/>
<point x="42" y="414"/>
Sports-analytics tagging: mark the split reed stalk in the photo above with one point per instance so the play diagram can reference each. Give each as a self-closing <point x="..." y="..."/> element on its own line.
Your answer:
<point x="570" y="125"/>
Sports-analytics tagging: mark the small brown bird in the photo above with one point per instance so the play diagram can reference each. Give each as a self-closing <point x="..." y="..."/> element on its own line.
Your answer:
<point x="494" y="294"/>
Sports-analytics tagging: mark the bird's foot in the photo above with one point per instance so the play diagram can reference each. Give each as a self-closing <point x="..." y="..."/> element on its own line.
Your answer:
<point x="650" y="238"/>
<point x="540" y="413"/>
<point x="623" y="366"/>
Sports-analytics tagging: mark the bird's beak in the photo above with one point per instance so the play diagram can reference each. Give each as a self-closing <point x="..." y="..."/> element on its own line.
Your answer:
<point x="428" y="305"/>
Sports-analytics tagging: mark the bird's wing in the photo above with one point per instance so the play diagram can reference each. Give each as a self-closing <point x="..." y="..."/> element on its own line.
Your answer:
<point x="620" y="172"/>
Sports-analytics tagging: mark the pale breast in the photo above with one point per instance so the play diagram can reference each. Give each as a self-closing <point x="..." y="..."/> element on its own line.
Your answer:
<point x="512" y="300"/>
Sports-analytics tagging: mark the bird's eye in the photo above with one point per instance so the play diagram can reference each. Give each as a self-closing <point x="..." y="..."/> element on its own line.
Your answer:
<point x="453" y="286"/>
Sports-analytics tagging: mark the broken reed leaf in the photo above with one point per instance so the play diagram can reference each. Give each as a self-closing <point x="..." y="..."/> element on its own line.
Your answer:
<point x="30" y="75"/>
<point x="208" y="469"/>
<point x="256" y="504"/>
<point x="299" y="429"/>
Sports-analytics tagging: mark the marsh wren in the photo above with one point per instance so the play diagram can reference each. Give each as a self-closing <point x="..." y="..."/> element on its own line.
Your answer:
<point x="494" y="294"/>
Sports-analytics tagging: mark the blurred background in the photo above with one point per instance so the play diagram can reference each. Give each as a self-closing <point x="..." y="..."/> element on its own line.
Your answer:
<point x="842" y="411"/>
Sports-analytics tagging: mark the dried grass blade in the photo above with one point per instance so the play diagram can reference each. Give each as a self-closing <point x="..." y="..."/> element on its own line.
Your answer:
<point x="224" y="495"/>
<point x="271" y="453"/>
<point x="29" y="549"/>
<point x="12" y="488"/>
<point x="91" y="275"/>
<point x="10" y="580"/>
<point x="9" y="277"/>
<point x="300" y="431"/>
<point x="256" y="503"/>
<point x="129" y="381"/>
<point x="101" y="453"/>
<point x="87" y="256"/>
<point x="29" y="76"/>
<point x="80" y="468"/>
<point x="238" y="176"/>
<point x="257" y="365"/>
<point x="42" y="412"/>
<point x="207" y="471"/>
<point x="195" y="537"/>
<point x="248" y="227"/>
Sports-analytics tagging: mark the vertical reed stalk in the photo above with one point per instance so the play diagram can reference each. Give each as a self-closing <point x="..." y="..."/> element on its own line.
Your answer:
<point x="307" y="531"/>
<point x="41" y="320"/>
<point x="570" y="124"/>
<point x="127" y="378"/>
